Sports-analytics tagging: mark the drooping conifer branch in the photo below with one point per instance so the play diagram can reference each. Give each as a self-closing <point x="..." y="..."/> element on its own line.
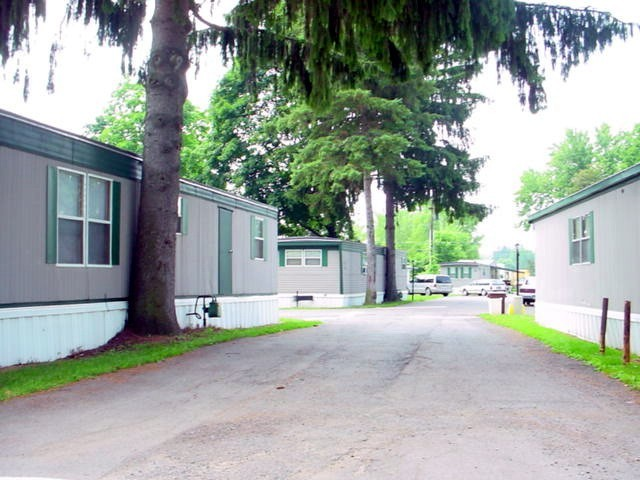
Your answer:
<point x="15" y="17"/>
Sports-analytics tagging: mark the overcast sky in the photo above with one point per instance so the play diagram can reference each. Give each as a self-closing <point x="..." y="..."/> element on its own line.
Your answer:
<point x="602" y="91"/>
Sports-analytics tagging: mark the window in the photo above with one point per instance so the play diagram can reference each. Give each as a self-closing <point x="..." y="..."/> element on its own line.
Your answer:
<point x="312" y="258"/>
<point x="181" y="227"/>
<point x="581" y="239"/>
<point x="307" y="258"/>
<point x="293" y="258"/>
<point x="83" y="219"/>
<point x="363" y="263"/>
<point x="99" y="221"/>
<point x="70" y="217"/>
<point x="257" y="238"/>
<point x="83" y="227"/>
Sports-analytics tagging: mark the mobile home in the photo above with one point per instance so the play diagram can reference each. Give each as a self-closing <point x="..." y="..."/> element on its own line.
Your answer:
<point x="68" y="209"/>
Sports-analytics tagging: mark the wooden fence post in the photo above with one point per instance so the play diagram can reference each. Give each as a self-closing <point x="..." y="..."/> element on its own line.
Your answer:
<point x="603" y="324"/>
<point x="627" y="333"/>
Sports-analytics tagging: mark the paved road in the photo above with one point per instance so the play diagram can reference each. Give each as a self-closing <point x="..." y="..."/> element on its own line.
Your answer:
<point x="425" y="392"/>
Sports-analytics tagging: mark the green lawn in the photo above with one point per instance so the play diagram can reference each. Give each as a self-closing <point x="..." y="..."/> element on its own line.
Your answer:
<point x="25" y="379"/>
<point x="417" y="298"/>
<point x="587" y="352"/>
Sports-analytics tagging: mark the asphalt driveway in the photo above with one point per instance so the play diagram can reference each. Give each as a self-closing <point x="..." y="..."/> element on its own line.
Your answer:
<point x="426" y="392"/>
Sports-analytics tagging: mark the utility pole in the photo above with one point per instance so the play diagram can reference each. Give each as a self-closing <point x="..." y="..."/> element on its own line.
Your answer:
<point x="517" y="269"/>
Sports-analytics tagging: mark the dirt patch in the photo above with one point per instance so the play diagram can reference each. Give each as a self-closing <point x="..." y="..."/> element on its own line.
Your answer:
<point x="126" y="339"/>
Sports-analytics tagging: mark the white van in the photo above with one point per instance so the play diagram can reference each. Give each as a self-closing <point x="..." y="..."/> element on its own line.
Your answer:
<point x="426" y="284"/>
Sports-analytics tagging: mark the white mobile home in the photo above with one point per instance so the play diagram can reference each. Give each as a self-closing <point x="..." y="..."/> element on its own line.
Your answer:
<point x="68" y="209"/>
<point x="329" y="272"/>
<point x="588" y="248"/>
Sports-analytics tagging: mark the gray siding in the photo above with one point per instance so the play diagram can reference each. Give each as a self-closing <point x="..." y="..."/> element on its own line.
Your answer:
<point x="197" y="250"/>
<point x="354" y="280"/>
<point x="254" y="276"/>
<point x="402" y="273"/>
<point x="311" y="279"/>
<point x="197" y="253"/>
<point x="24" y="275"/>
<point x="614" y="274"/>
<point x="380" y="268"/>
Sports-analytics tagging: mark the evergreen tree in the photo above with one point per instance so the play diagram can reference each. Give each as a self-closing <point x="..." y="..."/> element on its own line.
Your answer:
<point x="318" y="43"/>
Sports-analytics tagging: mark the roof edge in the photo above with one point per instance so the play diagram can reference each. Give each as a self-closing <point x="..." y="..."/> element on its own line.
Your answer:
<point x="616" y="180"/>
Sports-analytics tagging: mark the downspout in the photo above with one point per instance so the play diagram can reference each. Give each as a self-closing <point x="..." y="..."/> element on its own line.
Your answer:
<point x="341" y="270"/>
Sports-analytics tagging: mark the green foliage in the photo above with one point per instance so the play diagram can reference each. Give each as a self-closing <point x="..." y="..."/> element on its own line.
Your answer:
<point x="122" y="125"/>
<point x="507" y="257"/>
<point x="253" y="145"/>
<point x="453" y="238"/>
<point x="22" y="380"/>
<point x="586" y="352"/>
<point x="576" y="163"/>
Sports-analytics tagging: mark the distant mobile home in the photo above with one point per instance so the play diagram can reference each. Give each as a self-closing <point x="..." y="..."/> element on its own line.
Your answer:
<point x="329" y="272"/>
<point x="588" y="248"/>
<point x="464" y="272"/>
<point x="68" y="209"/>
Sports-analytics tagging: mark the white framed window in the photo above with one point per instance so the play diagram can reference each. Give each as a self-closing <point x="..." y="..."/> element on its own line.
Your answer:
<point x="83" y="219"/>
<point x="299" y="258"/>
<point x="293" y="258"/>
<point x="182" y="211"/>
<point x="363" y="263"/>
<point x="257" y="238"/>
<point x="581" y="239"/>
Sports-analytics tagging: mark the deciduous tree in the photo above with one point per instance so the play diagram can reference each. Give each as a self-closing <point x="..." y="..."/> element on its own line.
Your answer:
<point x="122" y="125"/>
<point x="319" y="44"/>
<point x="575" y="163"/>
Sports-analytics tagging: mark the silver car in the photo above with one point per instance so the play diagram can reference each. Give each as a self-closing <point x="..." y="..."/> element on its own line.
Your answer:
<point x="426" y="284"/>
<point x="484" y="286"/>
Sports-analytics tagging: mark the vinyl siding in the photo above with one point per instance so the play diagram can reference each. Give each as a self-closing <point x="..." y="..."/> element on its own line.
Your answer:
<point x="197" y="253"/>
<point x="24" y="275"/>
<point x="354" y="280"/>
<point x="311" y="279"/>
<point x="617" y="254"/>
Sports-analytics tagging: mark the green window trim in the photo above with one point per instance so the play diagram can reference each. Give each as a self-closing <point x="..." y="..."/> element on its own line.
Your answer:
<point x="115" y="224"/>
<point x="52" y="215"/>
<point x="303" y="257"/>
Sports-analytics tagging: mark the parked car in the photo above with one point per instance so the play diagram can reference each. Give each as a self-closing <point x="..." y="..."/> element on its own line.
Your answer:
<point x="484" y="286"/>
<point x="528" y="290"/>
<point x="426" y="284"/>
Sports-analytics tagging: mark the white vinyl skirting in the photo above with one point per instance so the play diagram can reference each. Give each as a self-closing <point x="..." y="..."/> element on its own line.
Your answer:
<point x="45" y="333"/>
<point x="585" y="323"/>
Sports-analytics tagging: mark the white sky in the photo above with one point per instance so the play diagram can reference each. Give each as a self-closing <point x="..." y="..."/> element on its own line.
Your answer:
<point x="602" y="91"/>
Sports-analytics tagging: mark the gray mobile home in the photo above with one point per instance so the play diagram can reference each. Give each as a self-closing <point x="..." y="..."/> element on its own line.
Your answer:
<point x="68" y="209"/>
<point x="329" y="272"/>
<point x="464" y="272"/>
<point x="588" y="248"/>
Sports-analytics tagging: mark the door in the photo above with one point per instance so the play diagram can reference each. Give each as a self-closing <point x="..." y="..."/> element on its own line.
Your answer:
<point x="225" y="251"/>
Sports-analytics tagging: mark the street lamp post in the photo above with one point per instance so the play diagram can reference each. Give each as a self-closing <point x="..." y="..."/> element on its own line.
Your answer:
<point x="517" y="269"/>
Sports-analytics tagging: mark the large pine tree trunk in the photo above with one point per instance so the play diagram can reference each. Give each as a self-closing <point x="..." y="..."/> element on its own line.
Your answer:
<point x="152" y="289"/>
<point x="371" y="294"/>
<point x="390" y="284"/>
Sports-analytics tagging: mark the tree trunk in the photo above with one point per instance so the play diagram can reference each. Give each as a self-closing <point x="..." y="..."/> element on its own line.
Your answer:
<point x="390" y="284"/>
<point x="371" y="294"/>
<point x="152" y="289"/>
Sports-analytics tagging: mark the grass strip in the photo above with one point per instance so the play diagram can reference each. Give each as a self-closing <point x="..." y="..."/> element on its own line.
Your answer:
<point x="610" y="363"/>
<point x="399" y="303"/>
<point x="26" y="379"/>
